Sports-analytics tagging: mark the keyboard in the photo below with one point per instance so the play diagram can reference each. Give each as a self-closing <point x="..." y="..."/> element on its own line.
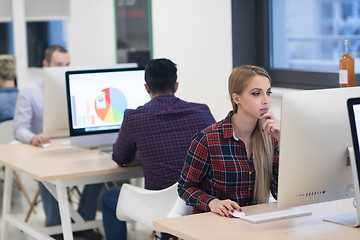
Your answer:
<point x="106" y="153"/>
<point x="276" y="215"/>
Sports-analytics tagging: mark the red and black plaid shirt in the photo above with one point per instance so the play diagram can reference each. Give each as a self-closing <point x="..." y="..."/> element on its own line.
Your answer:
<point x="217" y="166"/>
<point x="161" y="131"/>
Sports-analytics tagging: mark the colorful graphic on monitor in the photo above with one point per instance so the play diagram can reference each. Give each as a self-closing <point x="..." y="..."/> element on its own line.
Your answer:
<point x="110" y="105"/>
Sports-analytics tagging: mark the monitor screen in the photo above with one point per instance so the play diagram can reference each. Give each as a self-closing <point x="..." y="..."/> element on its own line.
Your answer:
<point x="55" y="112"/>
<point x="354" y="118"/>
<point x="97" y="100"/>
<point x="315" y="136"/>
<point x="353" y="220"/>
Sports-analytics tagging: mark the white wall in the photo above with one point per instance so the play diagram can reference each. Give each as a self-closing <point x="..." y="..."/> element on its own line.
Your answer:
<point x="196" y="35"/>
<point x="91" y="32"/>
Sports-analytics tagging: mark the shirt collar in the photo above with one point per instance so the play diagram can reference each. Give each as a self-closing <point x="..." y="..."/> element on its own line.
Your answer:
<point x="8" y="89"/>
<point x="166" y="99"/>
<point x="228" y="130"/>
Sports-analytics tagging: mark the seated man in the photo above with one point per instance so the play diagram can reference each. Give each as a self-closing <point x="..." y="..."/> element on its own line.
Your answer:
<point x="159" y="133"/>
<point x="28" y="121"/>
<point x="8" y="90"/>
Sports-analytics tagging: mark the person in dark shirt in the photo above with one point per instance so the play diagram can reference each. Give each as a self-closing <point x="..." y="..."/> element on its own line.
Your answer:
<point x="8" y="90"/>
<point x="159" y="133"/>
<point x="234" y="163"/>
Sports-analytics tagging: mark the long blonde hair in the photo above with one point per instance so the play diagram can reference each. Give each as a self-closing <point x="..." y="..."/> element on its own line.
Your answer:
<point x="261" y="142"/>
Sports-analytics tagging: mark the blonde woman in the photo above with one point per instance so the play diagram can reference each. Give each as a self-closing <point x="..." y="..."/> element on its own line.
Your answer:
<point x="234" y="163"/>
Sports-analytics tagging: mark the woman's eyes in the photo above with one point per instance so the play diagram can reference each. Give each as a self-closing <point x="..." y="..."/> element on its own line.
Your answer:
<point x="258" y="93"/>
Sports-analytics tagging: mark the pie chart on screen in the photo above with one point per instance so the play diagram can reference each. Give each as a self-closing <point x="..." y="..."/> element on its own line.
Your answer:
<point x="110" y="105"/>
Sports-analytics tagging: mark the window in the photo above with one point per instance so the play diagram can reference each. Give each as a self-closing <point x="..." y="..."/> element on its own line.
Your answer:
<point x="133" y="35"/>
<point x="6" y="42"/>
<point x="40" y="35"/>
<point x="299" y="42"/>
<point x="44" y="26"/>
<point x="308" y="40"/>
<point x="309" y="34"/>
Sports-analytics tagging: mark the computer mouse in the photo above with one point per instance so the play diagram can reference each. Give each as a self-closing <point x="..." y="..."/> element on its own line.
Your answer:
<point x="238" y="214"/>
<point x="45" y="145"/>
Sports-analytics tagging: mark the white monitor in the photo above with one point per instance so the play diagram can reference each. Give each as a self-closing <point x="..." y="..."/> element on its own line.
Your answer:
<point x="55" y="113"/>
<point x="315" y="136"/>
<point x="97" y="100"/>
<point x="353" y="219"/>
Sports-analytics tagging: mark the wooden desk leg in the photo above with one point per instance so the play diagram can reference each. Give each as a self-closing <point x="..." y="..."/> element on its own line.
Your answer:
<point x="8" y="181"/>
<point x="64" y="210"/>
<point x="32" y="205"/>
<point x="23" y="190"/>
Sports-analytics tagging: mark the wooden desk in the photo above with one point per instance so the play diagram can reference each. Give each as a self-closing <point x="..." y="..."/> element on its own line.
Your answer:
<point x="211" y="226"/>
<point x="58" y="167"/>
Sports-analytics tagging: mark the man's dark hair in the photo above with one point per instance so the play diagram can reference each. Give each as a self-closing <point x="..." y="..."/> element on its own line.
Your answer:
<point x="51" y="49"/>
<point x="161" y="75"/>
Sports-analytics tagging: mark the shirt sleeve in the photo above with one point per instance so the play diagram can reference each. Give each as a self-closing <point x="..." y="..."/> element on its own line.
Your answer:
<point x="275" y="176"/>
<point x="196" y="166"/>
<point x="22" y="118"/>
<point x="124" y="149"/>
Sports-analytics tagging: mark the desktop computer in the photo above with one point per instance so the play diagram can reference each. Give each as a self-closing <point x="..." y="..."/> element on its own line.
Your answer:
<point x="55" y="113"/>
<point x="315" y="136"/>
<point x="97" y="100"/>
<point x="353" y="220"/>
<point x="316" y="162"/>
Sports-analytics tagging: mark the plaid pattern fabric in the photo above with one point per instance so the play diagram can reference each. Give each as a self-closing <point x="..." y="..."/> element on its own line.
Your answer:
<point x="161" y="131"/>
<point x="217" y="166"/>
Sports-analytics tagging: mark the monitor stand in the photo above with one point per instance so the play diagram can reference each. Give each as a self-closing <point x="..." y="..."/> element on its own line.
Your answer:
<point x="106" y="149"/>
<point x="351" y="220"/>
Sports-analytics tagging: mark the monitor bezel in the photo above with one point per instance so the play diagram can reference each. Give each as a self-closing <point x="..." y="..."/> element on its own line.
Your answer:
<point x="351" y="102"/>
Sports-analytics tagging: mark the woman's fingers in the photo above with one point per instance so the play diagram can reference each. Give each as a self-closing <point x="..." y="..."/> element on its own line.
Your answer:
<point x="271" y="125"/>
<point x="223" y="207"/>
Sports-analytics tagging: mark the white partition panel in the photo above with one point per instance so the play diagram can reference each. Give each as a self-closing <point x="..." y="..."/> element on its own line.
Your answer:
<point x="196" y="35"/>
<point x="92" y="32"/>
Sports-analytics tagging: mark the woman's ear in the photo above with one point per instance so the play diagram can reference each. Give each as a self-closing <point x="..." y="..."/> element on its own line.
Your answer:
<point x="235" y="98"/>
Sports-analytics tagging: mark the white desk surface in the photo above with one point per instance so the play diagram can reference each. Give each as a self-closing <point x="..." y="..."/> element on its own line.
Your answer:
<point x="211" y="226"/>
<point x="58" y="166"/>
<point x="59" y="161"/>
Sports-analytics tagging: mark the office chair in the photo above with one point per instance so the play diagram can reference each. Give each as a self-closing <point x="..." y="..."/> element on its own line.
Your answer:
<point x="6" y="130"/>
<point x="145" y="206"/>
<point x="179" y="209"/>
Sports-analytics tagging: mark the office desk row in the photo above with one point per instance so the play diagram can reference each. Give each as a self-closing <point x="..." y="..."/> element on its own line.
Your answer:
<point x="61" y="165"/>
<point x="210" y="226"/>
<point x="58" y="167"/>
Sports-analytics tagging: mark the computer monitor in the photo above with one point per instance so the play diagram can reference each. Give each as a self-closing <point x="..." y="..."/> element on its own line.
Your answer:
<point x="55" y="118"/>
<point x="314" y="157"/>
<point x="353" y="219"/>
<point x="96" y="103"/>
<point x="55" y="113"/>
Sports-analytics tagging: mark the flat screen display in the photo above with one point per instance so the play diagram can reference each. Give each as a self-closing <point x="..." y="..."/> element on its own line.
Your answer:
<point x="97" y="99"/>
